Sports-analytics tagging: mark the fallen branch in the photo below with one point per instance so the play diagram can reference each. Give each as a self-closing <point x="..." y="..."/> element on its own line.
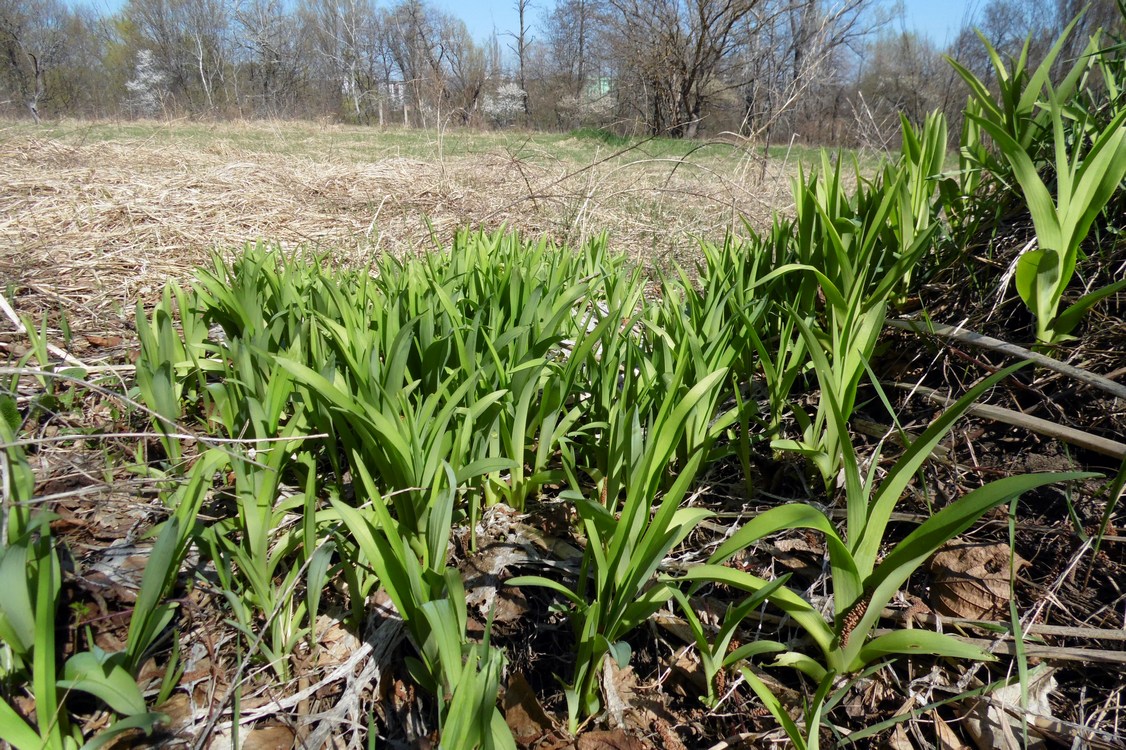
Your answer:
<point x="1040" y="651"/>
<point x="986" y="342"/>
<point x="1104" y="446"/>
<point x="1062" y="631"/>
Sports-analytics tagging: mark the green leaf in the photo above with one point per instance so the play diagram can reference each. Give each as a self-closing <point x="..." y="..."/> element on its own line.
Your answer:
<point x="10" y="414"/>
<point x="1068" y="320"/>
<point x="777" y="710"/>
<point x="866" y="541"/>
<point x="913" y="641"/>
<point x="621" y="652"/>
<point x="547" y="583"/>
<point x="102" y="675"/>
<point x="808" y="666"/>
<point x="16" y="732"/>
<point x="799" y="609"/>
<point x="906" y="557"/>
<point x="17" y="615"/>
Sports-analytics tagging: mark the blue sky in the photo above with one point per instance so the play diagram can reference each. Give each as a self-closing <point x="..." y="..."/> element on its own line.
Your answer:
<point x="939" y="19"/>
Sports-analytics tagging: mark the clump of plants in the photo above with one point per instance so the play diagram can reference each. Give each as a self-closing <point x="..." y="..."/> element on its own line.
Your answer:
<point x="321" y="437"/>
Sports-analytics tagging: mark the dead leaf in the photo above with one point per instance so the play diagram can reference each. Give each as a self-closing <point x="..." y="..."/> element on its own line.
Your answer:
<point x="105" y="342"/>
<point x="946" y="737"/>
<point x="994" y="722"/>
<point x="972" y="580"/>
<point x="614" y="739"/>
<point x="178" y="709"/>
<point x="687" y="676"/>
<point x="259" y="738"/>
<point x="899" y="739"/>
<point x="336" y="645"/>
<point x="523" y="712"/>
<point x="483" y="573"/>
<point x="617" y="686"/>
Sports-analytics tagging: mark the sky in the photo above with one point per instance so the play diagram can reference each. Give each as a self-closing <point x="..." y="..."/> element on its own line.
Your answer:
<point x="938" y="19"/>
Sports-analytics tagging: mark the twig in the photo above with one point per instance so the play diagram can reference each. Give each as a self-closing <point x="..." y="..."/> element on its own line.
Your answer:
<point x="1104" y="446"/>
<point x="987" y="342"/>
<point x="1039" y="651"/>
<point x="1062" y="631"/>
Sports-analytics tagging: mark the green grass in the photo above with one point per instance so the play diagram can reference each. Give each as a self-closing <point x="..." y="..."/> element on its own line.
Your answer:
<point x="358" y="144"/>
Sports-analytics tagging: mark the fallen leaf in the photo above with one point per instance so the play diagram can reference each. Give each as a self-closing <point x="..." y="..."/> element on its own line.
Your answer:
<point x="178" y="709"/>
<point x="485" y="594"/>
<point x="614" y="739"/>
<point x="687" y="675"/>
<point x="259" y="738"/>
<point x="972" y="580"/>
<point x="946" y="737"/>
<point x="618" y="687"/>
<point x="523" y="712"/>
<point x="994" y="722"/>
<point x="899" y="739"/>
<point x="335" y="644"/>
<point x="105" y="342"/>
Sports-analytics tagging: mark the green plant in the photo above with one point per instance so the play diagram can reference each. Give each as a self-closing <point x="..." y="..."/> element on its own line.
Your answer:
<point x="1084" y="184"/>
<point x="1016" y="109"/>
<point x="151" y="613"/>
<point x="31" y="577"/>
<point x="464" y="678"/>
<point x="854" y="252"/>
<point x="863" y="582"/>
<point x="627" y="541"/>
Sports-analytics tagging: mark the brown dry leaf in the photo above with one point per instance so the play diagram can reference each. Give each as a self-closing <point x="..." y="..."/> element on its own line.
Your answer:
<point x="899" y="739"/>
<point x="105" y="342"/>
<point x="615" y="739"/>
<point x="269" y="738"/>
<point x="995" y="723"/>
<point x="178" y="708"/>
<point x="618" y="687"/>
<point x="972" y="580"/>
<point x="945" y="736"/>
<point x="484" y="591"/>
<point x="688" y="676"/>
<point x="259" y="738"/>
<point x="523" y="712"/>
<point x="336" y="645"/>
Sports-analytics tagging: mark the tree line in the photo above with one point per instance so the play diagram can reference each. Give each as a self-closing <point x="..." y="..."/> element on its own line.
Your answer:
<point x="826" y="71"/>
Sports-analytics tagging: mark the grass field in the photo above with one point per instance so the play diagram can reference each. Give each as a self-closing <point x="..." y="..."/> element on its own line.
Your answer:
<point x="356" y="189"/>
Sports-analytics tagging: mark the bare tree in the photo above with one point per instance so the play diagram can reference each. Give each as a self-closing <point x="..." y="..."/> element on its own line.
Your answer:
<point x="441" y="66"/>
<point x="570" y="31"/>
<point x="675" y="54"/>
<point x="901" y="72"/>
<point x="32" y="33"/>
<point x="348" y="39"/>
<point x="797" y="57"/>
<point x="523" y="41"/>
<point x="272" y="55"/>
<point x="190" y="41"/>
<point x="570" y="65"/>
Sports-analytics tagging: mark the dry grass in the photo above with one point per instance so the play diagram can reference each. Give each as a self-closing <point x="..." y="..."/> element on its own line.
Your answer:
<point x="96" y="216"/>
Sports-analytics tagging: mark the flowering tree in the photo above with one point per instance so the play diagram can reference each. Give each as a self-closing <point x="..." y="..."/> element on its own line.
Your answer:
<point x="506" y="105"/>
<point x="147" y="86"/>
